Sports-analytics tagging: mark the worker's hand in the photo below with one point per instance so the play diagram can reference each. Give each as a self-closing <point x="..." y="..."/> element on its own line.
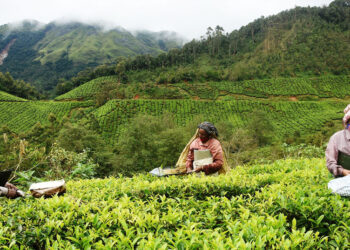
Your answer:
<point x="189" y="170"/>
<point x="345" y="172"/>
<point x="9" y="185"/>
<point x="12" y="193"/>
<point x="200" y="169"/>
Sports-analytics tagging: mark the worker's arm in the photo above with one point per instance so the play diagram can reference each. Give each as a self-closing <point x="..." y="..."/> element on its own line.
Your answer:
<point x="9" y="185"/>
<point x="9" y="192"/>
<point x="332" y="159"/>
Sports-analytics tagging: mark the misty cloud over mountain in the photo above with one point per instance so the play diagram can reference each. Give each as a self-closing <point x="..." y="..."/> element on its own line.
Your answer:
<point x="69" y="47"/>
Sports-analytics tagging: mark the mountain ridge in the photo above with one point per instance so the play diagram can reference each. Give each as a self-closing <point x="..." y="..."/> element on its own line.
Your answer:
<point x="54" y="50"/>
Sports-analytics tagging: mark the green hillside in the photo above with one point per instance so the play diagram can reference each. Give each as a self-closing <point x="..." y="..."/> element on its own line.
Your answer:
<point x="22" y="116"/>
<point x="286" y="117"/>
<point x="42" y="54"/>
<point x="84" y="44"/>
<point x="305" y="88"/>
<point x="309" y="41"/>
<point x="87" y="90"/>
<point x="10" y="98"/>
<point x="284" y="205"/>
<point x="301" y="41"/>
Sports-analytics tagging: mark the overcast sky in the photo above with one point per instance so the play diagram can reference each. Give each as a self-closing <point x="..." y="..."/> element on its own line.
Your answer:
<point x="189" y="18"/>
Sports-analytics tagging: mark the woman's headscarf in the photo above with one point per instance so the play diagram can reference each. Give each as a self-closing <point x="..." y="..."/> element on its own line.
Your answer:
<point x="209" y="128"/>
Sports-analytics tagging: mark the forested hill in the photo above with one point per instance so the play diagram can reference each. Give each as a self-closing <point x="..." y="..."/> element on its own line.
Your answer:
<point x="302" y="41"/>
<point x="312" y="40"/>
<point x="309" y="41"/>
<point x="41" y="54"/>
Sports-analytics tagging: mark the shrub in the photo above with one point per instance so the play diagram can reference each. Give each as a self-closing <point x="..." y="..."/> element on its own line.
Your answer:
<point x="149" y="142"/>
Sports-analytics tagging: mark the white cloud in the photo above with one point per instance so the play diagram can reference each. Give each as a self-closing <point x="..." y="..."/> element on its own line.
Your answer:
<point x="187" y="17"/>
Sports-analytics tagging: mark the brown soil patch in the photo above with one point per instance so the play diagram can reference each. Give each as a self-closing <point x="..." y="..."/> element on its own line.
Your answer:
<point x="293" y="98"/>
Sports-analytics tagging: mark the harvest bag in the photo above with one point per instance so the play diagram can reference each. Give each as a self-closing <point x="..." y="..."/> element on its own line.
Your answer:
<point x="201" y="158"/>
<point x="48" y="188"/>
<point x="340" y="185"/>
<point x="344" y="160"/>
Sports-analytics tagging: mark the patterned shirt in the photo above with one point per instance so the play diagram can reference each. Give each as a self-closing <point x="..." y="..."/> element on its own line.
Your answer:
<point x="340" y="141"/>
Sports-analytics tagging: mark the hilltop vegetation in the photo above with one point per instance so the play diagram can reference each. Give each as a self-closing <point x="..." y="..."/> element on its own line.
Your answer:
<point x="17" y="88"/>
<point x="281" y="205"/>
<point x="304" y="41"/>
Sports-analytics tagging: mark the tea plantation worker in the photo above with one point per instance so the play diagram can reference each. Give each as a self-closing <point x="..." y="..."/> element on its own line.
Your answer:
<point x="10" y="191"/>
<point x="206" y="139"/>
<point x="338" y="148"/>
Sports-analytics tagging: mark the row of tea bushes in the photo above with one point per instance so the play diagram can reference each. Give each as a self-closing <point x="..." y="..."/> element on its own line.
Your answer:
<point x="282" y="205"/>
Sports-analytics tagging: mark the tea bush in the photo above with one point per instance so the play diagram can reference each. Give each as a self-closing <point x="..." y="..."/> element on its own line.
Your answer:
<point x="285" y="204"/>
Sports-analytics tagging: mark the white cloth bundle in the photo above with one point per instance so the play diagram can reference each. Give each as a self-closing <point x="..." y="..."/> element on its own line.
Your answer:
<point x="340" y="185"/>
<point x="48" y="188"/>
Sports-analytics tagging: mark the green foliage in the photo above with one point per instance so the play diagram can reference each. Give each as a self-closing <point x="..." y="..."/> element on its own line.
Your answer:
<point x="322" y="87"/>
<point x="76" y="139"/>
<point x="103" y="89"/>
<point x="25" y="178"/>
<point x="63" y="164"/>
<point x="17" y="88"/>
<point x="84" y="171"/>
<point x="303" y="150"/>
<point x="12" y="149"/>
<point x="281" y="205"/>
<point x="260" y="127"/>
<point x="149" y="141"/>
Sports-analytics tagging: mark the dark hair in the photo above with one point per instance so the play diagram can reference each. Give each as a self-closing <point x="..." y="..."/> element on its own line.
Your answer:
<point x="209" y="128"/>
